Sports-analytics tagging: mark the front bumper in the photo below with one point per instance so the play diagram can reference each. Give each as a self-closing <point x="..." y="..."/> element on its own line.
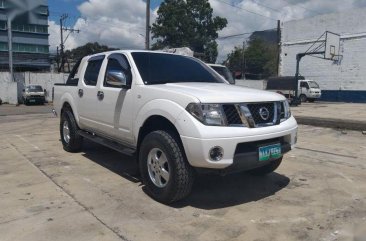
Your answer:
<point x="239" y="152"/>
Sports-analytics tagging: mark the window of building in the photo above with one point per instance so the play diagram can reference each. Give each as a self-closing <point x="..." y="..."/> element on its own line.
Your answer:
<point x="28" y="28"/>
<point x="25" y="48"/>
<point x="2" y="3"/>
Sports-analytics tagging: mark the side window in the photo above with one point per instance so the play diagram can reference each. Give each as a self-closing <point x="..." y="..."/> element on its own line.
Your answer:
<point x="92" y="71"/>
<point x="118" y="71"/>
<point x="303" y="84"/>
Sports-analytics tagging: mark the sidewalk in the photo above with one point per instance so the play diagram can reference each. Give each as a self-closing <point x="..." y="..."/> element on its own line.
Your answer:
<point x="332" y="114"/>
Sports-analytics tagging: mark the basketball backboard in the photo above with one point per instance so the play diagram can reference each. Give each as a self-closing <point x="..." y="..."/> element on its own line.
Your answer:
<point x="332" y="41"/>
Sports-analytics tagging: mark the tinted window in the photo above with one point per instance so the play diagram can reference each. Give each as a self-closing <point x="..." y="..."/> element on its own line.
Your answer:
<point x="35" y="88"/>
<point x="224" y="72"/>
<point x="117" y="63"/>
<point x="303" y="84"/>
<point x="92" y="72"/>
<point x="158" y="68"/>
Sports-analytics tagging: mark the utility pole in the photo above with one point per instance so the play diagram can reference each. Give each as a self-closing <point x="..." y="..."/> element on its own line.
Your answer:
<point x="61" y="67"/>
<point x="278" y="46"/>
<point x="244" y="62"/>
<point x="10" y="47"/>
<point x="62" y="46"/>
<point x="147" y="35"/>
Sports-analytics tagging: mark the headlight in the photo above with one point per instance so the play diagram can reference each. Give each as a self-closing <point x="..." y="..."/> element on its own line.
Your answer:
<point x="208" y="114"/>
<point x="286" y="111"/>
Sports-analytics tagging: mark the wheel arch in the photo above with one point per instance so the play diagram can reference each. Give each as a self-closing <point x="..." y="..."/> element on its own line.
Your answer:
<point x="154" y="123"/>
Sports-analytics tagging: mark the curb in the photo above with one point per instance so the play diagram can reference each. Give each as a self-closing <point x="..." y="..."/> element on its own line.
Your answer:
<point x="332" y="123"/>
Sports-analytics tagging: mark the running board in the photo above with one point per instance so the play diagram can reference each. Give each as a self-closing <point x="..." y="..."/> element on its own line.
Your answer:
<point x="110" y="144"/>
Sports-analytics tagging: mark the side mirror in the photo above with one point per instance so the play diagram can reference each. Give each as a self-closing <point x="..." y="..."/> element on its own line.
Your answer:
<point x="117" y="78"/>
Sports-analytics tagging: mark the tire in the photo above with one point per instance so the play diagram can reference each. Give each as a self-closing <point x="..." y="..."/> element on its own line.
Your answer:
<point x="267" y="169"/>
<point x="71" y="140"/>
<point x="25" y="101"/>
<point x="303" y="98"/>
<point x="170" y="158"/>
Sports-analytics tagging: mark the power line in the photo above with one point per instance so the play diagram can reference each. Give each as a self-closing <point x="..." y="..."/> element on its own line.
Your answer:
<point x="241" y="34"/>
<point x="308" y="9"/>
<point x="249" y="11"/>
<point x="265" y="6"/>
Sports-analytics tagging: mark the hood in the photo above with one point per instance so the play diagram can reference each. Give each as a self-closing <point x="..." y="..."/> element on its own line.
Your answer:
<point x="221" y="93"/>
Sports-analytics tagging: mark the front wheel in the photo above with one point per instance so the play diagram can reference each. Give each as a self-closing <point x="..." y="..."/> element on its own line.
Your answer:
<point x="71" y="140"/>
<point x="165" y="172"/>
<point x="267" y="169"/>
<point x="303" y="98"/>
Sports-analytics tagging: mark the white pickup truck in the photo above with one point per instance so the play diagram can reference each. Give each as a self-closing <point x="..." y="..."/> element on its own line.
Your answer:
<point x="177" y="116"/>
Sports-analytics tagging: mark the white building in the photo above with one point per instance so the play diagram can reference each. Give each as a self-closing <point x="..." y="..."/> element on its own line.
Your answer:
<point x="343" y="80"/>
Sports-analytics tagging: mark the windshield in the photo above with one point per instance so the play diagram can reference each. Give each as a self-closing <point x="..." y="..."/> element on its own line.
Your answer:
<point x="34" y="88"/>
<point x="159" y="68"/>
<point x="224" y="72"/>
<point x="313" y="84"/>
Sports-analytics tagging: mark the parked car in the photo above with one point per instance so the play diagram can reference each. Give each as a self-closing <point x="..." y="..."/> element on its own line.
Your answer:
<point x="224" y="72"/>
<point x="176" y="115"/>
<point x="308" y="90"/>
<point x="34" y="94"/>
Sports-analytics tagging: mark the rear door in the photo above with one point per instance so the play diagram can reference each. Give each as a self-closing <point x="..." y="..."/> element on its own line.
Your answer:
<point x="87" y="93"/>
<point x="115" y="107"/>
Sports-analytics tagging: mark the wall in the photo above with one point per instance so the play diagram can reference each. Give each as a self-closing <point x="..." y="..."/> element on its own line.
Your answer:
<point x="254" y="84"/>
<point x="12" y="91"/>
<point x="8" y="89"/>
<point x="343" y="80"/>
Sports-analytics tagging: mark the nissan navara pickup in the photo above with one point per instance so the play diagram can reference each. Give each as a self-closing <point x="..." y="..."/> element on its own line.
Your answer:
<point x="176" y="115"/>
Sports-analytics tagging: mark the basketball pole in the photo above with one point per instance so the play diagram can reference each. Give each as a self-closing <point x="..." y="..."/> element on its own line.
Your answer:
<point x="299" y="56"/>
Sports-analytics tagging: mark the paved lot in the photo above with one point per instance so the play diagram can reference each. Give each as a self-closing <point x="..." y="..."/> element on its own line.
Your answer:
<point x="23" y="109"/>
<point x="318" y="193"/>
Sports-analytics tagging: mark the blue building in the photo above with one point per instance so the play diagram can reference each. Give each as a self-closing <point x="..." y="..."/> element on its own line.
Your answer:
<point x="30" y="35"/>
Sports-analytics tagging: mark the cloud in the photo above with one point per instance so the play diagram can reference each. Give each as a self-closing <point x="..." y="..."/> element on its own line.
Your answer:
<point x="120" y="23"/>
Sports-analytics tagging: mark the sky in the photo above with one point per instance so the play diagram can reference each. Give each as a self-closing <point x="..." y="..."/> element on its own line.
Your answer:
<point x="121" y="23"/>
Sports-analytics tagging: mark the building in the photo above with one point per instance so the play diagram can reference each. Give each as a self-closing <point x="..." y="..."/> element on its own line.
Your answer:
<point x="30" y="35"/>
<point x="342" y="80"/>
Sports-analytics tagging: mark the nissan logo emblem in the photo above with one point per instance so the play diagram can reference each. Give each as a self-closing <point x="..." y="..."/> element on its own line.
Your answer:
<point x="264" y="113"/>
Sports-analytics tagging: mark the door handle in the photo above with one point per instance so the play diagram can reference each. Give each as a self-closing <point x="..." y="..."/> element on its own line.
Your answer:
<point x="100" y="95"/>
<point x="81" y="93"/>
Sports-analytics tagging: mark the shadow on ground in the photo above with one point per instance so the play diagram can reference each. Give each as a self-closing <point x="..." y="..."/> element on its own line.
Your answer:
<point x="209" y="191"/>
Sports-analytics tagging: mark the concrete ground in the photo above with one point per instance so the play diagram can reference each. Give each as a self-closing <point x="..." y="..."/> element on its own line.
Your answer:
<point x="318" y="193"/>
<point x="332" y="114"/>
<point x="6" y="110"/>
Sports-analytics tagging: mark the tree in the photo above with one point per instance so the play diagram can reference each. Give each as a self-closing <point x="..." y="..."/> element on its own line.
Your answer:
<point x="188" y="23"/>
<point x="259" y="59"/>
<point x="87" y="49"/>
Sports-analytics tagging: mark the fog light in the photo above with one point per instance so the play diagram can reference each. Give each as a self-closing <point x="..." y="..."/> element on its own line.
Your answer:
<point x="216" y="153"/>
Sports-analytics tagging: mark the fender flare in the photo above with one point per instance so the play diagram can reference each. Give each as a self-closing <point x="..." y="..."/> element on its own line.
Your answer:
<point x="67" y="98"/>
<point x="171" y="112"/>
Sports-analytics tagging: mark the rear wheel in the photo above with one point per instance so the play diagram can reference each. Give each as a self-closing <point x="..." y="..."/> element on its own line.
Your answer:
<point x="267" y="169"/>
<point x="71" y="140"/>
<point x="164" y="169"/>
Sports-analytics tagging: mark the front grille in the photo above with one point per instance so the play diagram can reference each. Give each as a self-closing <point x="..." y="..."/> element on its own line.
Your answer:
<point x="262" y="113"/>
<point x="232" y="115"/>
